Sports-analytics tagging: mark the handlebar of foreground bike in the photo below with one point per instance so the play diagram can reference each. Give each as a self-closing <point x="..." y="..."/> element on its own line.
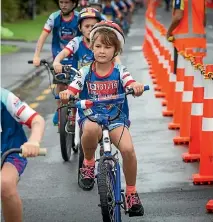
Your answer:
<point x="67" y="71"/>
<point x="42" y="152"/>
<point x="114" y="99"/>
<point x="105" y="100"/>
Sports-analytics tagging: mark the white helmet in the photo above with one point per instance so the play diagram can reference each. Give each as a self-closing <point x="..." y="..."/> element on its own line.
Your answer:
<point x="111" y="26"/>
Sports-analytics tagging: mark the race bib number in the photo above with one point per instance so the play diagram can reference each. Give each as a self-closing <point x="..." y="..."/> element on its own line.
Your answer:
<point x="103" y="88"/>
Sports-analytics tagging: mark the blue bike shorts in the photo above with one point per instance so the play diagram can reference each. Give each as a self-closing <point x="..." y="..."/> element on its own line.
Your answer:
<point x="18" y="162"/>
<point x="113" y="125"/>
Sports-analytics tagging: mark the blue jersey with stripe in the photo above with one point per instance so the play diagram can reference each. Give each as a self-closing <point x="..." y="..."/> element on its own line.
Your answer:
<point x="62" y="32"/>
<point x="91" y="85"/>
<point x="81" y="51"/>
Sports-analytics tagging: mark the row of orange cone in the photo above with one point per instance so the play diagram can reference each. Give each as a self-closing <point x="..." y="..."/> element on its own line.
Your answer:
<point x="187" y="96"/>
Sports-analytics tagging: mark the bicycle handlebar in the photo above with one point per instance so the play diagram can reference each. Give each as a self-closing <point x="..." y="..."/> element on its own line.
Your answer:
<point x="42" y="152"/>
<point x="130" y="91"/>
<point x="67" y="71"/>
<point x="86" y="104"/>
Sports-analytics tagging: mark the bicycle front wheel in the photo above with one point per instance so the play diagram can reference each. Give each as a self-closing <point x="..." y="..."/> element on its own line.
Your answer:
<point x="66" y="138"/>
<point x="106" y="189"/>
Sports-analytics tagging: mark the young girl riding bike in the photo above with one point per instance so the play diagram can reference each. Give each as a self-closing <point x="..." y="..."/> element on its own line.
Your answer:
<point x="104" y="77"/>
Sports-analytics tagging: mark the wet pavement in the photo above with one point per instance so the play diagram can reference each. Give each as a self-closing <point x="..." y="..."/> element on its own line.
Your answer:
<point x="49" y="186"/>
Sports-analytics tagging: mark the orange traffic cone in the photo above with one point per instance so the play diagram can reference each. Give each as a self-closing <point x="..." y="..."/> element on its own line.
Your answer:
<point x="186" y="102"/>
<point x="178" y="93"/>
<point x="206" y="150"/>
<point x="196" y="115"/>
<point x="161" y="71"/>
<point x="169" y="101"/>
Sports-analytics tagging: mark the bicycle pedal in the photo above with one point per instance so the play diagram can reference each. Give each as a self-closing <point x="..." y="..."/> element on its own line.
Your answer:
<point x="122" y="190"/>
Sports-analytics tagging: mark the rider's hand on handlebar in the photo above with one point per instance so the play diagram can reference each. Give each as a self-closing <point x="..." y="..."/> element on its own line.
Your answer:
<point x="65" y="95"/>
<point x="36" y="61"/>
<point x="138" y="88"/>
<point x="30" y="149"/>
<point x="57" y="67"/>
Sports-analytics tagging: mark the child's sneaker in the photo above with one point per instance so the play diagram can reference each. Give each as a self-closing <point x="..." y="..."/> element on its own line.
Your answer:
<point x="87" y="177"/>
<point x="134" y="205"/>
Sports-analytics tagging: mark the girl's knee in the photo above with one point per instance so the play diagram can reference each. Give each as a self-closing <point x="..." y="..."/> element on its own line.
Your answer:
<point x="127" y="151"/>
<point x="91" y="128"/>
<point x="8" y="187"/>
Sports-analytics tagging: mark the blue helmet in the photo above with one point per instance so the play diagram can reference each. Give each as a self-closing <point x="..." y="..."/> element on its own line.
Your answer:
<point x="89" y="13"/>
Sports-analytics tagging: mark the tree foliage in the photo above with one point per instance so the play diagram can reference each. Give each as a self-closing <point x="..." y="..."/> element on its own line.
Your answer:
<point x="21" y="9"/>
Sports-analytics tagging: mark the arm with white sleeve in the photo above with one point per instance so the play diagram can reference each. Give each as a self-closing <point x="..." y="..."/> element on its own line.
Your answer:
<point x="25" y="115"/>
<point x="70" y="49"/>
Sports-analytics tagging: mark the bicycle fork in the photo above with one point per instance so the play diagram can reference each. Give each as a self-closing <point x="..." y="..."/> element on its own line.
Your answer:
<point x="118" y="192"/>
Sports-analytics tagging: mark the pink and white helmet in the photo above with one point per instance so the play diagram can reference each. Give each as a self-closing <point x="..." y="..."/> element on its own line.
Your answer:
<point x="111" y="26"/>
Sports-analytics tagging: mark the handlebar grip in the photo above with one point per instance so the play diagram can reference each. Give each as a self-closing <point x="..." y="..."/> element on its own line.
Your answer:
<point x="146" y="87"/>
<point x="43" y="61"/>
<point x="42" y="152"/>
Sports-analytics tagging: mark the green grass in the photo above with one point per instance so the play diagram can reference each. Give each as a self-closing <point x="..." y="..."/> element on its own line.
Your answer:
<point x="27" y="30"/>
<point x="6" y="49"/>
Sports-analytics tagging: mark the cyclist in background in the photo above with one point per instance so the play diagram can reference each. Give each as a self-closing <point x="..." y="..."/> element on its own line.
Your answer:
<point x="111" y="11"/>
<point x="80" y="46"/>
<point x="64" y="27"/>
<point x="97" y="4"/>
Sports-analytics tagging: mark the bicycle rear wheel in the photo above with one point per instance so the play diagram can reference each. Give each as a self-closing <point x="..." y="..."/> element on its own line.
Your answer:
<point x="67" y="140"/>
<point x="106" y="189"/>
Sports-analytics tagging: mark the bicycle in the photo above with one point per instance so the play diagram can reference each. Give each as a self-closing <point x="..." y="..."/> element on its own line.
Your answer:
<point x="42" y="152"/>
<point x="66" y="123"/>
<point x="108" y="176"/>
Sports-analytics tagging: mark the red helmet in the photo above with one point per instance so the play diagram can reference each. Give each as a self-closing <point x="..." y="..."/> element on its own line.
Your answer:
<point x="111" y="26"/>
<point x="89" y="13"/>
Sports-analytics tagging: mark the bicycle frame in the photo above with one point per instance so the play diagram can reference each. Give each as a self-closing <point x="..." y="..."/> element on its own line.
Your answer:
<point x="117" y="181"/>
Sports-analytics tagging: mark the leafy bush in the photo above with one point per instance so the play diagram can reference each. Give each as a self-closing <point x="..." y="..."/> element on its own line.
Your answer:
<point x="20" y="9"/>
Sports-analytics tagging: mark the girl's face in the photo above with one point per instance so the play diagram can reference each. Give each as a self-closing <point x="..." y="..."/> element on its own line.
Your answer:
<point x="86" y="26"/>
<point x="103" y="53"/>
<point x="65" y="6"/>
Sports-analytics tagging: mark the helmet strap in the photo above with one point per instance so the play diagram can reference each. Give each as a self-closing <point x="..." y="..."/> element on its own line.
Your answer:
<point x="115" y="54"/>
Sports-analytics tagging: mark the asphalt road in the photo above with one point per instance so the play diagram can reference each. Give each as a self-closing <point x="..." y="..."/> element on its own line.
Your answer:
<point x="49" y="186"/>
